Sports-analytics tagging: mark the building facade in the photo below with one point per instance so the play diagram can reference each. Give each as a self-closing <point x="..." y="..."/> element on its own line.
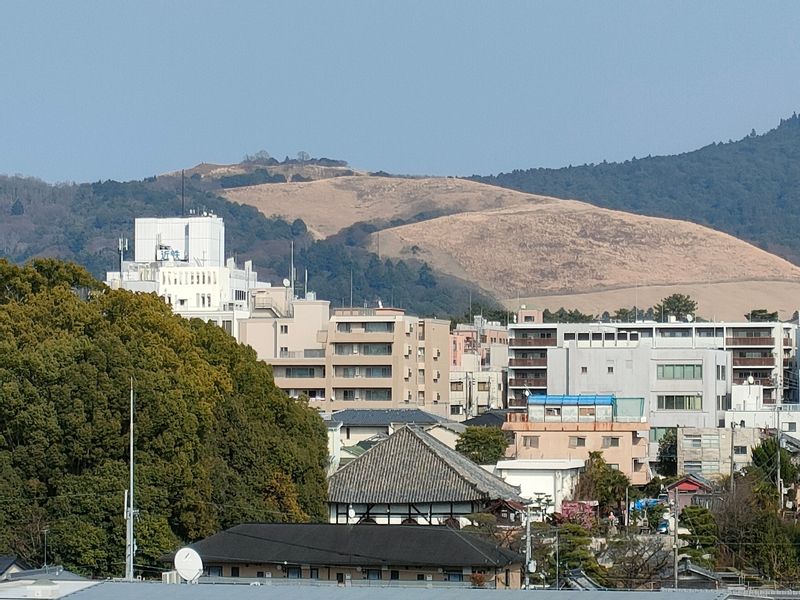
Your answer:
<point x="182" y="260"/>
<point x="360" y="358"/>
<point x="570" y="427"/>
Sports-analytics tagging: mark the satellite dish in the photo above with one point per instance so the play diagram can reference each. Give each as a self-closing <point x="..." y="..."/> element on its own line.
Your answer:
<point x="351" y="513"/>
<point x="188" y="564"/>
<point x="750" y="379"/>
<point x="286" y="283"/>
<point x="689" y="318"/>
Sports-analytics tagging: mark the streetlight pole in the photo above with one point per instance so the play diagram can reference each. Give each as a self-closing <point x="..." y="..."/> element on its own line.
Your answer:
<point x="675" y="539"/>
<point x="527" y="545"/>
<point x="45" y="550"/>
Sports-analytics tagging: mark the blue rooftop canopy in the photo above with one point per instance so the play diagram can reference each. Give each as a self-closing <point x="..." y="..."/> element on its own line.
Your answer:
<point x="572" y="400"/>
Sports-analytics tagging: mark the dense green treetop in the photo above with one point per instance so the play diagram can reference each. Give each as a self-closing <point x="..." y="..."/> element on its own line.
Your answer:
<point x="483" y="445"/>
<point x="216" y="442"/>
<point x="749" y="188"/>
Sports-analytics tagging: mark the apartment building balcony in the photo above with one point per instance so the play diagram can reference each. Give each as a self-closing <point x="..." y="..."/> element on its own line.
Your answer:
<point x="363" y="337"/>
<point x="533" y="382"/>
<point x="300" y="383"/>
<point x="527" y="362"/>
<point x="787" y="362"/>
<point x="750" y="341"/>
<point x="787" y="342"/>
<point x="315" y="353"/>
<point x="356" y="360"/>
<point x="765" y="381"/>
<point x="761" y="361"/>
<point x="361" y="382"/>
<point x="531" y="342"/>
<point x="521" y="403"/>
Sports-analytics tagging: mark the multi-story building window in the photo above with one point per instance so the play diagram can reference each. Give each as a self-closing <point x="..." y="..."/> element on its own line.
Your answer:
<point x="680" y="402"/>
<point x="679" y="371"/>
<point x="378" y="327"/>
<point x="530" y="441"/>
<point x="456" y="386"/>
<point x="577" y="441"/>
<point x="610" y="442"/>
<point x="372" y="372"/>
<point x="300" y="372"/>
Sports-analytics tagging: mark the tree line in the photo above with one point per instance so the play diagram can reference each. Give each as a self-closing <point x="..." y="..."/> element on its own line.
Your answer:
<point x="216" y="443"/>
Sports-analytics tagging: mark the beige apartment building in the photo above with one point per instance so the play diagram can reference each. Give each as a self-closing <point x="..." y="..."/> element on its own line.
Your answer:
<point x="353" y="358"/>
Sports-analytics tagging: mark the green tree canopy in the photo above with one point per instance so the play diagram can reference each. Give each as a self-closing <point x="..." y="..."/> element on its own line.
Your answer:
<point x="562" y="315"/>
<point x="758" y="315"/>
<point x="667" y="462"/>
<point x="216" y="442"/>
<point x="676" y="305"/>
<point x="483" y="445"/>
<point x="602" y="483"/>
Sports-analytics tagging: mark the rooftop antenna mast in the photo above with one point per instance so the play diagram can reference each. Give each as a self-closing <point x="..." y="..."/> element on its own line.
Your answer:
<point x="183" y="196"/>
<point x="291" y="275"/>
<point x="130" y="511"/>
<point x="122" y="245"/>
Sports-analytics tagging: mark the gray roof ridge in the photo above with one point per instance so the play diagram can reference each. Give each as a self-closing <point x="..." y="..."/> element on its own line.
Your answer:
<point x="431" y="442"/>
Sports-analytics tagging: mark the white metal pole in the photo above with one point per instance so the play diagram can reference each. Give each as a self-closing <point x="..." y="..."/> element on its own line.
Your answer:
<point x="130" y="545"/>
<point x="527" y="545"/>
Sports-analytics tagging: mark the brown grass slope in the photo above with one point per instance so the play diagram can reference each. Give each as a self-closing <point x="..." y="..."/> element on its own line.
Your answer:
<point x="549" y="251"/>
<point x="573" y="247"/>
<point x="330" y="205"/>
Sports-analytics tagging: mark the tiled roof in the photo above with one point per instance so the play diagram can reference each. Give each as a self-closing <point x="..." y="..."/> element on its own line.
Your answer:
<point x="384" y="417"/>
<point x="413" y="466"/>
<point x="491" y="418"/>
<point x="351" y="545"/>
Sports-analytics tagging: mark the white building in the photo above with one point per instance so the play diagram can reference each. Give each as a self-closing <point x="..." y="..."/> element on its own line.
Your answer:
<point x="182" y="260"/>
<point x="691" y="374"/>
<point x="554" y="478"/>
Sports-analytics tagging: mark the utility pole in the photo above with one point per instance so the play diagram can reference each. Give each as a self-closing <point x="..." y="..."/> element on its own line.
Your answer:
<point x="558" y="585"/>
<point x="130" y="511"/>
<point x="527" y="545"/>
<point x="675" y="539"/>
<point x="778" y="475"/>
<point x="122" y="246"/>
<point x="733" y="470"/>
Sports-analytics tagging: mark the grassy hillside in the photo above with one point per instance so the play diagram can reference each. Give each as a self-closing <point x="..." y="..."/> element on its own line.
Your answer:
<point x="749" y="188"/>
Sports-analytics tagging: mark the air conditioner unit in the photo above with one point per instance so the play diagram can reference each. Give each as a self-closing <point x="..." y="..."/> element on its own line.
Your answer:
<point x="408" y="350"/>
<point x="438" y="353"/>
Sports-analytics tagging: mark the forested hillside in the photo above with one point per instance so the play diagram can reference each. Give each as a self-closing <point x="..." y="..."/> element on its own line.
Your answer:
<point x="82" y="222"/>
<point x="216" y="442"/>
<point x="749" y="188"/>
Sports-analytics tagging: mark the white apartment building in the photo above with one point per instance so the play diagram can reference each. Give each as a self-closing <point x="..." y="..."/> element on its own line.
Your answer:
<point x="687" y="372"/>
<point x="182" y="260"/>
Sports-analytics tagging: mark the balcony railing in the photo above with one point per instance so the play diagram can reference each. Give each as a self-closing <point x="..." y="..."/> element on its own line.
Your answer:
<point x="538" y="382"/>
<point x="767" y="381"/>
<point x="528" y="342"/>
<point x="764" y="361"/>
<point x="527" y="362"/>
<point x="750" y="341"/>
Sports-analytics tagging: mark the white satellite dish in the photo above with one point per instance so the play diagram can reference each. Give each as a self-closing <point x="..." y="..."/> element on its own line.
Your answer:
<point x="188" y="564"/>
<point x="689" y="318"/>
<point x="286" y="283"/>
<point x="750" y="380"/>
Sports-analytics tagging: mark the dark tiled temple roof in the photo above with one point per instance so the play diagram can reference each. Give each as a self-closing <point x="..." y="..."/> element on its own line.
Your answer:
<point x="412" y="466"/>
<point x="351" y="545"/>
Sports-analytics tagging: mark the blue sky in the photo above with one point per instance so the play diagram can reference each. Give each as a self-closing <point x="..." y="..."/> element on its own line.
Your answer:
<point x="123" y="90"/>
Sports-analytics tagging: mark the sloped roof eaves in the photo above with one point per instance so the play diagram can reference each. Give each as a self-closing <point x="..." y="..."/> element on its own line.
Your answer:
<point x="414" y="467"/>
<point x="356" y="545"/>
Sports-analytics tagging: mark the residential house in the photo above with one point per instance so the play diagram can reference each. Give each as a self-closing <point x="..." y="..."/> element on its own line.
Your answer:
<point x="715" y="451"/>
<point x="413" y="478"/>
<point x="686" y="488"/>
<point x="361" y="424"/>
<point x="570" y="427"/>
<point x="555" y="478"/>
